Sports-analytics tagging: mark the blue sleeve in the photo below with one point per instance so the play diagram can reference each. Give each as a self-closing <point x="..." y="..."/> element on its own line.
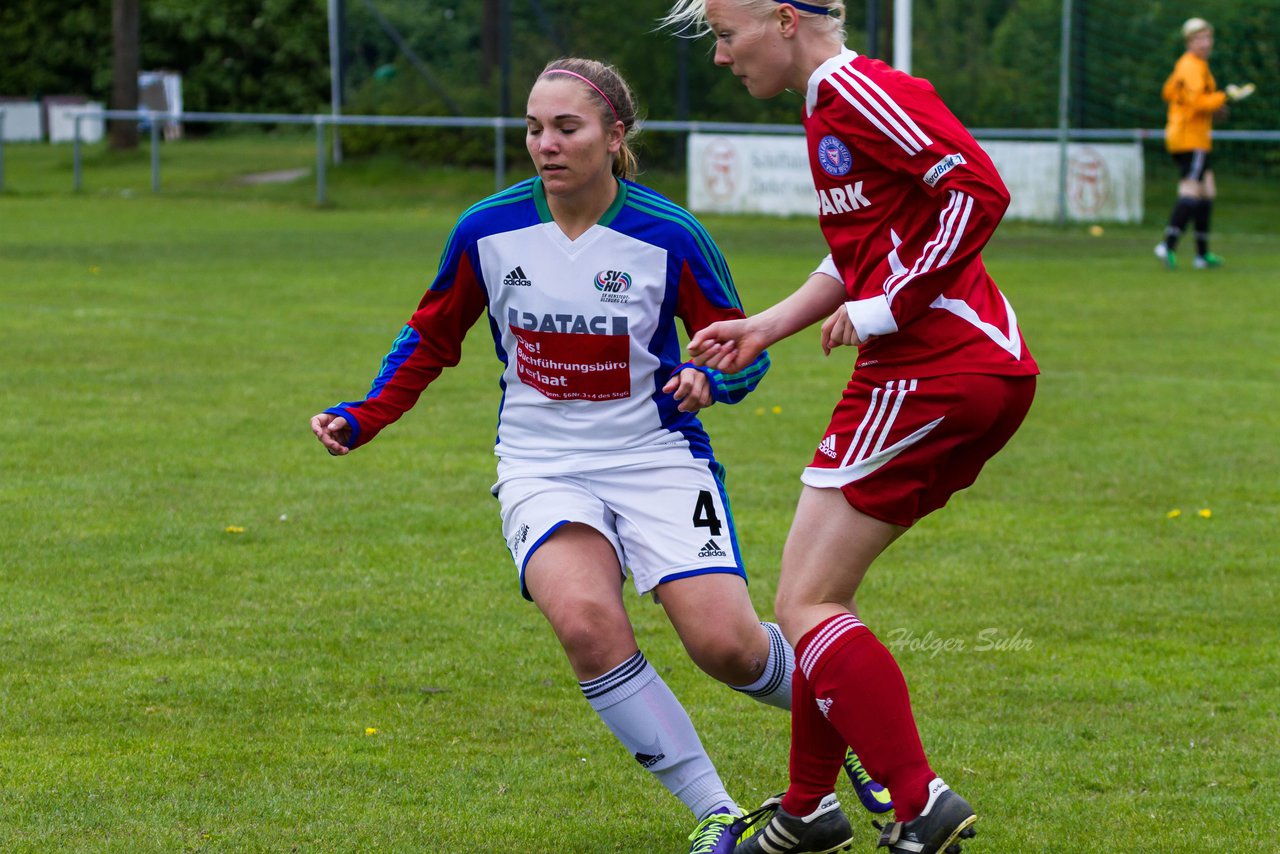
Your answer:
<point x="731" y="388"/>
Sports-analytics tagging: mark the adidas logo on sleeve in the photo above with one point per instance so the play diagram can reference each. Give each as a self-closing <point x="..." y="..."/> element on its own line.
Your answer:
<point x="828" y="446"/>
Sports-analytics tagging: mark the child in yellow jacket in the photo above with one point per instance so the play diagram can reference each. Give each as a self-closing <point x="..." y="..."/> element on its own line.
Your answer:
<point x="1194" y="101"/>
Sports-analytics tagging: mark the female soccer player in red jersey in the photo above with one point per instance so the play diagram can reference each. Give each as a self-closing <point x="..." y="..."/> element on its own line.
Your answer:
<point x="907" y="200"/>
<point x="603" y="468"/>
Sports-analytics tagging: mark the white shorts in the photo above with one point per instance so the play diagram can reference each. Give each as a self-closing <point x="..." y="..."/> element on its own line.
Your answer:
<point x="664" y="522"/>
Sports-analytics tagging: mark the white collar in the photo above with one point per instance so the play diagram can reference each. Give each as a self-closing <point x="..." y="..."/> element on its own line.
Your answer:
<point x="821" y="73"/>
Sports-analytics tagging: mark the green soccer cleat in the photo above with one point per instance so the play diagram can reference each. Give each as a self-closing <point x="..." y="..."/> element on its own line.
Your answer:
<point x="1207" y="261"/>
<point x="874" y="797"/>
<point x="1166" y="256"/>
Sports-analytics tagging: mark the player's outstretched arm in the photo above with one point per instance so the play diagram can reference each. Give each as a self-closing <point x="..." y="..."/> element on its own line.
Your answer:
<point x="333" y="431"/>
<point x="730" y="345"/>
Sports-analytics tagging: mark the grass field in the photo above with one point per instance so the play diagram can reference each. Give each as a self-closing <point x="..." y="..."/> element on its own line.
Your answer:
<point x="214" y="637"/>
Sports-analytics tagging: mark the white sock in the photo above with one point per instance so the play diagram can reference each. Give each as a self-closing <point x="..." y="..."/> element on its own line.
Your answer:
<point x="773" y="688"/>
<point x="646" y="717"/>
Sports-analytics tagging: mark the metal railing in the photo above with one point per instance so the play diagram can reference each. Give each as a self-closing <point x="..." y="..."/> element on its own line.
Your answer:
<point x="323" y="121"/>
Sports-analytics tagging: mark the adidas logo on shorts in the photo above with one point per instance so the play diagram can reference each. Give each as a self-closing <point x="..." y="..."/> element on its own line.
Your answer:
<point x="517" y="278"/>
<point x="712" y="549"/>
<point x="828" y="446"/>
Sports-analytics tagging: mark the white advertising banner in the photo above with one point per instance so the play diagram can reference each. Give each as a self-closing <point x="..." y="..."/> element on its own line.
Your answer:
<point x="743" y="173"/>
<point x="1104" y="181"/>
<point x="770" y="174"/>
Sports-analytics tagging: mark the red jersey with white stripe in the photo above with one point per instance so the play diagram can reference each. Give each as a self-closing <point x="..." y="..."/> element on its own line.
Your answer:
<point x="907" y="200"/>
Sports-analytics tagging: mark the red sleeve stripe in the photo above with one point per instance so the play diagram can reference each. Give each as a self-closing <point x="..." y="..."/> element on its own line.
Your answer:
<point x="881" y="110"/>
<point x="951" y="226"/>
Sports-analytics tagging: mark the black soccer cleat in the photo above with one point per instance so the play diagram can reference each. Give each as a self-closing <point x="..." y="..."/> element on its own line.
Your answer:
<point x="947" y="819"/>
<point x="773" y="830"/>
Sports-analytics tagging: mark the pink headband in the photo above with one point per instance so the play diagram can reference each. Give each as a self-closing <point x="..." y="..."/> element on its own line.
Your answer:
<point x="589" y="83"/>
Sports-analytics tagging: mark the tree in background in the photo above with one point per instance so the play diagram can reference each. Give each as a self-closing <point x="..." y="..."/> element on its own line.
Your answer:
<point x="994" y="61"/>
<point x="55" y="48"/>
<point x="124" y="70"/>
<point x="269" y="56"/>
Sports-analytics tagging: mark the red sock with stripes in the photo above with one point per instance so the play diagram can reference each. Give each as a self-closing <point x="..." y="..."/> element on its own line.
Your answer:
<point x="860" y="689"/>
<point x="817" y="751"/>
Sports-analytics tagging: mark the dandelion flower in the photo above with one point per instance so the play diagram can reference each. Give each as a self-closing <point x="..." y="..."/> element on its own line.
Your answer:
<point x="777" y="410"/>
<point x="1173" y="514"/>
<point x="1205" y="513"/>
<point x="371" y="730"/>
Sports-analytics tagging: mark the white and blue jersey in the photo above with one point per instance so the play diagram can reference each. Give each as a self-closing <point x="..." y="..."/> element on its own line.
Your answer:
<point x="585" y="330"/>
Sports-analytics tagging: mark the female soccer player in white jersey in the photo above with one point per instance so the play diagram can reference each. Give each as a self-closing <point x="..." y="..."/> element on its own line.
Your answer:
<point x="907" y="200"/>
<point x="602" y="465"/>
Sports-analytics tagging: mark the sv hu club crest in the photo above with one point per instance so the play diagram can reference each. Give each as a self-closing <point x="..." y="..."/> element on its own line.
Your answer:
<point x="613" y="281"/>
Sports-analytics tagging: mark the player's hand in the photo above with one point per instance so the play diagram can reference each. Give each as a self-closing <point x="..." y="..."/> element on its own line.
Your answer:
<point x="727" y="345"/>
<point x="838" y="330"/>
<point x="1239" y="93"/>
<point x="333" y="431"/>
<point x="691" y="389"/>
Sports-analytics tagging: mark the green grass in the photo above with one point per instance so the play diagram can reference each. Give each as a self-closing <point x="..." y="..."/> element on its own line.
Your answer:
<point x="168" y="685"/>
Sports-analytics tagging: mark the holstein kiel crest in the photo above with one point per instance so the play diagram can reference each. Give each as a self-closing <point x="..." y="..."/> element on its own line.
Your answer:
<point x="834" y="157"/>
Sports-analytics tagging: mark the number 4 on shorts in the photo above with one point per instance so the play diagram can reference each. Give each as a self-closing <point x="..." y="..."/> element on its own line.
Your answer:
<point x="704" y="513"/>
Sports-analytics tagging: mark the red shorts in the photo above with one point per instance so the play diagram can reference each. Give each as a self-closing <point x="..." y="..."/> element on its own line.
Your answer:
<point x="900" y="449"/>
